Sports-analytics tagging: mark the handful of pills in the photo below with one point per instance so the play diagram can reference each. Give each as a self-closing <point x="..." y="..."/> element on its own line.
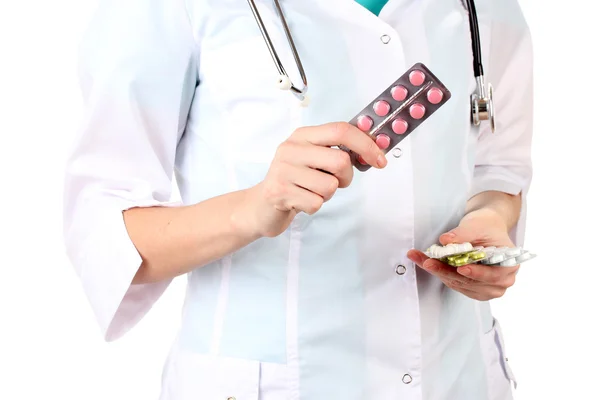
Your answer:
<point x="461" y="254"/>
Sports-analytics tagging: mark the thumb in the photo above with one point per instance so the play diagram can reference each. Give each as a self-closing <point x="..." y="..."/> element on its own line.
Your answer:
<point x="460" y="234"/>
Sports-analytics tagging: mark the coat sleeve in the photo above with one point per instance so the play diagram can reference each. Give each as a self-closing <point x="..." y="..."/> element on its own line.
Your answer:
<point x="503" y="158"/>
<point x="138" y="75"/>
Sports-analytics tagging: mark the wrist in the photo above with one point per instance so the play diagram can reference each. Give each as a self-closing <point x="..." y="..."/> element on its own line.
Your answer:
<point x="496" y="206"/>
<point x="244" y="219"/>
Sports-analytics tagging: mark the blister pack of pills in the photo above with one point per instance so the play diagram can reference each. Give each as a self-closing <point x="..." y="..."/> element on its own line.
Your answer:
<point x="399" y="110"/>
<point x="461" y="254"/>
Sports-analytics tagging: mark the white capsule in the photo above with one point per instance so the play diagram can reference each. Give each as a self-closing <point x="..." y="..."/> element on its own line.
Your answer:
<point x="513" y="252"/>
<point x="284" y="83"/>
<point x="511" y="262"/>
<point x="434" y="251"/>
<point x="450" y="249"/>
<point x="437" y="251"/>
<point x="464" y="247"/>
<point x="496" y="258"/>
<point x="524" y="257"/>
<point x="489" y="251"/>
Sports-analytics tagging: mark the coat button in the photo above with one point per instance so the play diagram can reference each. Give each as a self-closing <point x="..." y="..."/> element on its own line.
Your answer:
<point x="407" y="379"/>
<point x="397" y="152"/>
<point x="400" y="269"/>
<point x="385" y="39"/>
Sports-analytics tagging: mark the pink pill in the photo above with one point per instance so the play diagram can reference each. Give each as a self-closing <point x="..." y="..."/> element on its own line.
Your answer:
<point x="435" y="95"/>
<point x="399" y="126"/>
<point x="417" y="111"/>
<point x="364" y="123"/>
<point x="416" y="78"/>
<point x="381" y="108"/>
<point x="383" y="141"/>
<point x="362" y="160"/>
<point x="399" y="93"/>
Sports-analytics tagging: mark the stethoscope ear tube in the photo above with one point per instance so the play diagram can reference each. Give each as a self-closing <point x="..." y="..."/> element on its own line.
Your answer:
<point x="284" y="82"/>
<point x="475" y="39"/>
<point x="482" y="107"/>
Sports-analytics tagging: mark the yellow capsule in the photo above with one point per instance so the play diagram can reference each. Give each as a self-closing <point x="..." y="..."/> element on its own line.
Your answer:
<point x="464" y="259"/>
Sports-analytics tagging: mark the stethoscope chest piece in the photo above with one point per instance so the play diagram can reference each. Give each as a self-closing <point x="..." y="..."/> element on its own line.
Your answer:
<point x="482" y="106"/>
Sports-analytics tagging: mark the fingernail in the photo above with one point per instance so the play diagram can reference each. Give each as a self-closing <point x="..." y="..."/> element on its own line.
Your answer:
<point x="465" y="271"/>
<point x="450" y="234"/>
<point x="381" y="161"/>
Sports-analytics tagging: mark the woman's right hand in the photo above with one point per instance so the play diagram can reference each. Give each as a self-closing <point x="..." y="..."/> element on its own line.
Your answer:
<point x="297" y="181"/>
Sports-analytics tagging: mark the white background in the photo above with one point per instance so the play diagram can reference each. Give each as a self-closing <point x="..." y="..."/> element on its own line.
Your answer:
<point x="50" y="346"/>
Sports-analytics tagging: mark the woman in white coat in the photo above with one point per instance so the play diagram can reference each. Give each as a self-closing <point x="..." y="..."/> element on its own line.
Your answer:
<point x="302" y="284"/>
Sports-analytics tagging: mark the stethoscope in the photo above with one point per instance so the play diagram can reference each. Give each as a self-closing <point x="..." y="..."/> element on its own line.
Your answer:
<point x="482" y="105"/>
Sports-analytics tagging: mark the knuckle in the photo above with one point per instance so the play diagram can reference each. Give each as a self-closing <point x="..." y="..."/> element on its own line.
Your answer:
<point x="433" y="267"/>
<point x="369" y="147"/>
<point x="475" y="273"/>
<point x="481" y="297"/>
<point x="455" y="283"/>
<point x="342" y="162"/>
<point x="373" y="147"/>
<point x="348" y="180"/>
<point x="494" y="279"/>
<point x="350" y="176"/>
<point x="478" y="295"/>
<point x="510" y="281"/>
<point x="299" y="132"/>
<point x="314" y="206"/>
<point x="332" y="186"/>
<point x="284" y="149"/>
<point x="470" y="282"/>
<point x="275" y="191"/>
<point x="275" y="175"/>
<point x="339" y="130"/>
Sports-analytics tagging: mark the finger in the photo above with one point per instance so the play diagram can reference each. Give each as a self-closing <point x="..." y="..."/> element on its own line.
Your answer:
<point x="446" y="272"/>
<point x="486" y="293"/>
<point x="302" y="200"/>
<point x="418" y="257"/>
<point x="459" y="287"/>
<point x="318" y="182"/>
<point x="437" y="268"/>
<point x="488" y="274"/>
<point x="334" y="161"/>
<point x="345" y="134"/>
<point x="480" y="293"/>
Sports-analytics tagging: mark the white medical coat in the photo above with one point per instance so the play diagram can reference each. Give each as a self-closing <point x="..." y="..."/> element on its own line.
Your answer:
<point x="332" y="308"/>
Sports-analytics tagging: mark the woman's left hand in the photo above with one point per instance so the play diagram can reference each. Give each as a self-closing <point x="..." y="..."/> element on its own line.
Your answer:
<point x="480" y="282"/>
